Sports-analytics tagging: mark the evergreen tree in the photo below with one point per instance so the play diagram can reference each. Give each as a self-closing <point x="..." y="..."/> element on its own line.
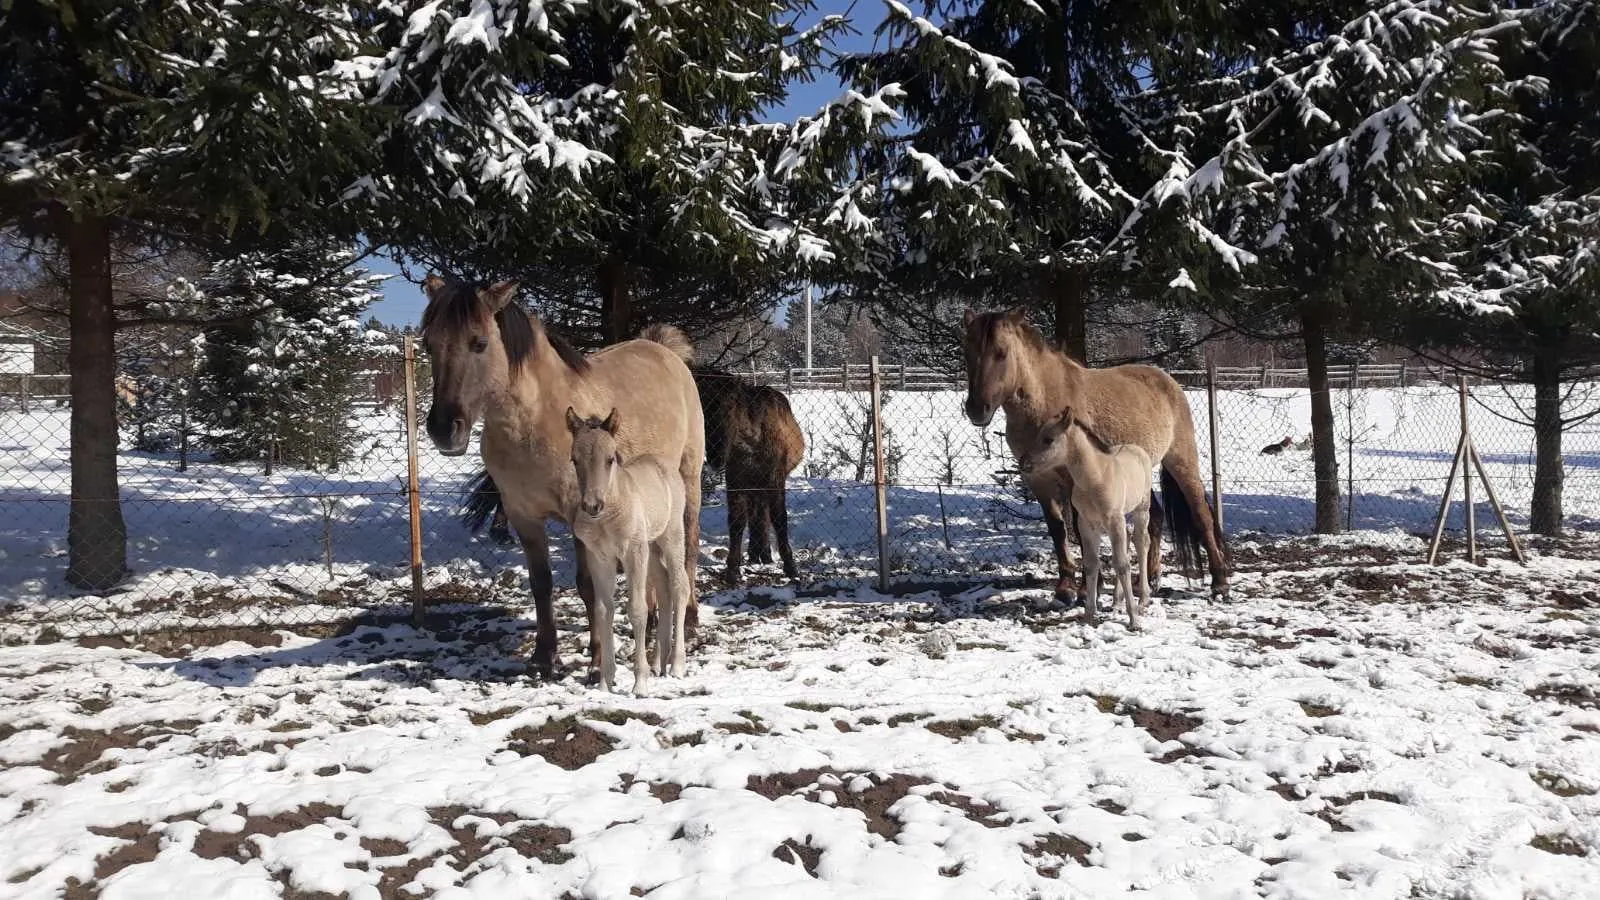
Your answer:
<point x="654" y="104"/>
<point x="1525" y="302"/>
<point x="279" y="384"/>
<point x="1307" y="186"/>
<point x="167" y="122"/>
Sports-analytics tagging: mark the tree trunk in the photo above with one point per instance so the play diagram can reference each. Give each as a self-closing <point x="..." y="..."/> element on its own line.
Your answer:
<point x="1069" y="294"/>
<point x="1544" y="516"/>
<point x="616" y="301"/>
<point x="1324" y="451"/>
<point x="97" y="538"/>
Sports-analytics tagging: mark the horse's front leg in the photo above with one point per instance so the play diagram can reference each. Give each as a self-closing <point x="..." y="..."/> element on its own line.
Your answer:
<point x="1141" y="541"/>
<point x="1054" y="498"/>
<point x="638" y="565"/>
<point x="603" y="615"/>
<point x="1089" y="540"/>
<point x="1121" y="567"/>
<point x="587" y="574"/>
<point x="536" y="548"/>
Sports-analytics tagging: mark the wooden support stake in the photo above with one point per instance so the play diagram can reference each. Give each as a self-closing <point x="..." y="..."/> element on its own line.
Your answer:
<point x="1466" y="474"/>
<point x="879" y="478"/>
<point x="1494" y="503"/>
<point x="1444" y="501"/>
<point x="413" y="489"/>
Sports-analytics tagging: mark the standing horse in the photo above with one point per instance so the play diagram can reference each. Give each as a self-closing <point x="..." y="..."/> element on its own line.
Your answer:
<point x="752" y="436"/>
<point x="1011" y="367"/>
<point x="1108" y="483"/>
<point x="494" y="362"/>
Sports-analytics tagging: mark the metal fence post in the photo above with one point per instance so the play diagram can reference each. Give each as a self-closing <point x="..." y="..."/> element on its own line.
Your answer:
<point x="1466" y="474"/>
<point x="1216" y="456"/>
<point x="413" y="493"/>
<point x="26" y="384"/>
<point x="1350" y="447"/>
<point x="879" y="479"/>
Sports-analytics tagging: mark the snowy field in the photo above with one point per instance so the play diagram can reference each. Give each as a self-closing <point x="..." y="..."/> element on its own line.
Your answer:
<point x="1351" y="725"/>
<point x="228" y="545"/>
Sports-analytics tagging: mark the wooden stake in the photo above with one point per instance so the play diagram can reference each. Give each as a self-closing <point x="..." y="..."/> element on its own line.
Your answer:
<point x="413" y="490"/>
<point x="1494" y="503"/>
<point x="1444" y="501"/>
<point x="879" y="479"/>
<point x="1466" y="474"/>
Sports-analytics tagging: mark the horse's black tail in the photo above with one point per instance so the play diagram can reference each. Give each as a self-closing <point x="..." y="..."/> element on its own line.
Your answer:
<point x="483" y="505"/>
<point x="1186" y="540"/>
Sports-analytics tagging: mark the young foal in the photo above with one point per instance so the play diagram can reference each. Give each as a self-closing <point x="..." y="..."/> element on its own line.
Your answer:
<point x="630" y="513"/>
<point x="1107" y="484"/>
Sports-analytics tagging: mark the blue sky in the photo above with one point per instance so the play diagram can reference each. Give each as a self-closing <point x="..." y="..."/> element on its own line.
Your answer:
<point x="403" y="301"/>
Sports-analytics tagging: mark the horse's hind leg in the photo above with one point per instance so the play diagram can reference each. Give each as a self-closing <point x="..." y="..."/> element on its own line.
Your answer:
<point x="1183" y="464"/>
<point x="1150" y="549"/>
<point x="778" y="513"/>
<point x="1141" y="540"/>
<point x="691" y="469"/>
<point x="739" y="501"/>
<point x="760" y="522"/>
<point x="1121" y="566"/>
<point x="676" y="594"/>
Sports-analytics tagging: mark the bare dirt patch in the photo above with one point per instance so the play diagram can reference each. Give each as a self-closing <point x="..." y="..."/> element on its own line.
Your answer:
<point x="873" y="802"/>
<point x="1566" y="694"/>
<point x="1049" y="852"/>
<point x="141" y="844"/>
<point x="562" y="741"/>
<point x="85" y="747"/>
<point x="803" y="855"/>
<point x="210" y="844"/>
<point x="1558" y="844"/>
<point x="956" y="729"/>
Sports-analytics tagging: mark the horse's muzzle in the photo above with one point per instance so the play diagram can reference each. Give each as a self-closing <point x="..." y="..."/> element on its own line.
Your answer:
<point x="450" y="434"/>
<point x="593" y="510"/>
<point x="980" y="414"/>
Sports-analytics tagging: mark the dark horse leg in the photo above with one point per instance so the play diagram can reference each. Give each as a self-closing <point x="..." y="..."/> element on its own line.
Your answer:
<point x="1052" y="499"/>
<point x="738" y="514"/>
<point x="760" y="545"/>
<point x="537" y="550"/>
<point x="1153" y="557"/>
<point x="778" y="515"/>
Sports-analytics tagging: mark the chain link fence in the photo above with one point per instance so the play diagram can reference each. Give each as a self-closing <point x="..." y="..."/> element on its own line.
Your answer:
<point x="290" y="537"/>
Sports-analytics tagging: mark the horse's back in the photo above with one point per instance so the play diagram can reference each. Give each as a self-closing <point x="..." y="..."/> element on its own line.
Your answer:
<point x="1138" y="404"/>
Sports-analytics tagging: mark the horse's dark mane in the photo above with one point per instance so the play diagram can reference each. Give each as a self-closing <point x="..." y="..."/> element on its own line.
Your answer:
<point x="989" y="325"/>
<point x="455" y="307"/>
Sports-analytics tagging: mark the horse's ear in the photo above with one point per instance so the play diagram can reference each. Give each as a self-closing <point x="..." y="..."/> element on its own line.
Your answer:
<point x="1017" y="315"/>
<point x="968" y="317"/>
<point x="573" y="422"/>
<point x="497" y="295"/>
<point x="610" y="424"/>
<point x="432" y="285"/>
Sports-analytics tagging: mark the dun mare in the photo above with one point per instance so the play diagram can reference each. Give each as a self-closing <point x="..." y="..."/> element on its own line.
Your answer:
<point x="1011" y="367"/>
<point x="752" y="436"/>
<point x="630" y="513"/>
<point x="494" y="362"/>
<point x="1107" y="483"/>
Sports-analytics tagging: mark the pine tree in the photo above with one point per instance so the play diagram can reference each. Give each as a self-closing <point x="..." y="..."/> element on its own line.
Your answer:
<point x="654" y="105"/>
<point x="1307" y="186"/>
<point x="1524" y="302"/>
<point x="1018" y="158"/>
<point x="279" y="384"/>
<point x="167" y="122"/>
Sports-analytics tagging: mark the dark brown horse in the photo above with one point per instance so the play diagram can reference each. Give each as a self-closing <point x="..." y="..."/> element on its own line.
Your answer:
<point x="753" y="437"/>
<point x="1011" y="367"/>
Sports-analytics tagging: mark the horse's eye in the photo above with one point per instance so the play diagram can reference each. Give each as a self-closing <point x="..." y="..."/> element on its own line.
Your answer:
<point x="478" y="344"/>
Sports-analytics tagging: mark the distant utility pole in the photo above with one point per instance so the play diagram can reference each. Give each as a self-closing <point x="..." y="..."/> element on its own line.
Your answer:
<point x="808" y="326"/>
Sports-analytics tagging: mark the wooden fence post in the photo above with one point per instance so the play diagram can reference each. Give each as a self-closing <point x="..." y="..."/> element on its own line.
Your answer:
<point x="413" y="491"/>
<point x="879" y="477"/>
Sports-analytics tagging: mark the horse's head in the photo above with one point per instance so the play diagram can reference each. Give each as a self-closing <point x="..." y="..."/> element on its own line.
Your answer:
<point x="993" y="343"/>
<point x="595" y="458"/>
<point x="461" y="329"/>
<point x="1049" y="450"/>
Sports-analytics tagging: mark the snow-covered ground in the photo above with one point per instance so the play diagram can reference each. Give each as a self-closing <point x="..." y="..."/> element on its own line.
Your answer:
<point x="228" y="545"/>
<point x="1352" y="725"/>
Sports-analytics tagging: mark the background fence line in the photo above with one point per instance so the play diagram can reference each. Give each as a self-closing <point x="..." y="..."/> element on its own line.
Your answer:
<point x="228" y="542"/>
